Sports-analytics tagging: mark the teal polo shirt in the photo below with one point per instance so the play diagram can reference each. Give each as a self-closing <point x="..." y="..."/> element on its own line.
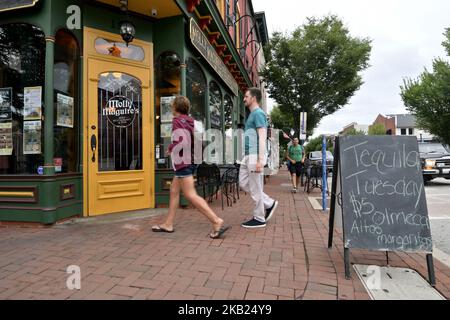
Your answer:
<point x="257" y="119"/>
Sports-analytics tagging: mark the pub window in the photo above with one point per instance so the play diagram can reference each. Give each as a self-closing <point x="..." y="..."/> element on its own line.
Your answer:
<point x="228" y="114"/>
<point x="215" y="105"/>
<point x="403" y="132"/>
<point x="215" y="115"/>
<point x="119" y="49"/>
<point x="411" y="131"/>
<point x="66" y="156"/>
<point x="22" y="71"/>
<point x="196" y="92"/>
<point x="168" y="85"/>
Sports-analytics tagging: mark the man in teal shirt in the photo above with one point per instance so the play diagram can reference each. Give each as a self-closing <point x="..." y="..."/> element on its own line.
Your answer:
<point x="252" y="165"/>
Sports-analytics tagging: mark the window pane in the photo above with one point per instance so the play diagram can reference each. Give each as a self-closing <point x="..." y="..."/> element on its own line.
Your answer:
<point x="215" y="105"/>
<point x="196" y="93"/>
<point x="22" y="63"/>
<point x="168" y="85"/>
<point x="196" y="90"/>
<point x="119" y="122"/>
<point x="228" y="111"/>
<point x="119" y="49"/>
<point x="66" y="157"/>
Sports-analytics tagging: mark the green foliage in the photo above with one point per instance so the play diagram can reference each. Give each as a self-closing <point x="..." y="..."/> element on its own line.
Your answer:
<point x="316" y="145"/>
<point x="446" y="43"/>
<point x="316" y="68"/>
<point x="377" y="130"/>
<point x="428" y="97"/>
<point x="354" y="132"/>
<point x="283" y="122"/>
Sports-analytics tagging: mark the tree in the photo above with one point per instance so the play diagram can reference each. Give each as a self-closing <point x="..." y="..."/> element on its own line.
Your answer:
<point x="428" y="97"/>
<point x="315" y="69"/>
<point x="354" y="132"/>
<point x="283" y="122"/>
<point x="316" y="145"/>
<point x="377" y="130"/>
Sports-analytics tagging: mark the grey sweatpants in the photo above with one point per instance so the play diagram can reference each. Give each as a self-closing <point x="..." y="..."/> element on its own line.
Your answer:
<point x="253" y="183"/>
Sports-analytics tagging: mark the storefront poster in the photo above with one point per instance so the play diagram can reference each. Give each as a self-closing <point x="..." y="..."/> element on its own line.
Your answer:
<point x="64" y="111"/>
<point x="32" y="103"/>
<point x="58" y="162"/>
<point x="6" y="142"/>
<point x="166" y="109"/>
<point x="32" y="137"/>
<point x="5" y="103"/>
<point x="166" y="130"/>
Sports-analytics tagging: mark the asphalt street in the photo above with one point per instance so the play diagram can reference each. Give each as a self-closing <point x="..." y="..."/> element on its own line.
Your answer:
<point x="438" y="201"/>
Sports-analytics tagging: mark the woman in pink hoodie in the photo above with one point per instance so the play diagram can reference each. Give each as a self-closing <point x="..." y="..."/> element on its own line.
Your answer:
<point x="183" y="164"/>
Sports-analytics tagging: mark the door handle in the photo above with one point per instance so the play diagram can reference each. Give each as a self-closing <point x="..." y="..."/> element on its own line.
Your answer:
<point x="93" y="146"/>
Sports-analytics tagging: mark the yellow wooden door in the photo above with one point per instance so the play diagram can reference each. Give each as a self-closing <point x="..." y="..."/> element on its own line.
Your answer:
<point x="118" y="136"/>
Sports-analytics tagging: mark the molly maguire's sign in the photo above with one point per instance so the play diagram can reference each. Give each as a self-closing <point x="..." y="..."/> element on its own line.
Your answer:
<point x="202" y="44"/>
<point x="16" y="4"/>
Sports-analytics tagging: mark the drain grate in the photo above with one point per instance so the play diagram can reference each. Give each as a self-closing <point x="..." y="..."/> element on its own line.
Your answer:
<point x="389" y="283"/>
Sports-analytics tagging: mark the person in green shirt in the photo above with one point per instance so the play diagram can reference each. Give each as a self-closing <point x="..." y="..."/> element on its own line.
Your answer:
<point x="296" y="156"/>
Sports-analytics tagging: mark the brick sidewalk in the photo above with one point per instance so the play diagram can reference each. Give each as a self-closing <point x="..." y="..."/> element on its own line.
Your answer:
<point x="289" y="259"/>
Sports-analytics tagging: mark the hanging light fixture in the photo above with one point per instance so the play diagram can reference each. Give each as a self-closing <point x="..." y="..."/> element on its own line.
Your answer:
<point x="127" y="29"/>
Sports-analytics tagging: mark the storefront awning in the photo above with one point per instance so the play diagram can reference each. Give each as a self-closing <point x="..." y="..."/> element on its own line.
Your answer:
<point x="6" y="5"/>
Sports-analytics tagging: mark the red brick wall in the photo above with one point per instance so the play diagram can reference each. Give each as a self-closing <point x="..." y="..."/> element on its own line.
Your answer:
<point x="389" y="123"/>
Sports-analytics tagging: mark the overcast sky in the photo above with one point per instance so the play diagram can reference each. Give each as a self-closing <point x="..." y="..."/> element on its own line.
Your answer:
<point x="406" y="34"/>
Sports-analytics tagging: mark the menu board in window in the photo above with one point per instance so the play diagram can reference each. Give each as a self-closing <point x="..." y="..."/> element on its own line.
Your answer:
<point x="64" y="111"/>
<point x="32" y="137"/>
<point x="6" y="142"/>
<point x="166" y="109"/>
<point x="32" y="98"/>
<point x="5" y="103"/>
<point x="166" y="130"/>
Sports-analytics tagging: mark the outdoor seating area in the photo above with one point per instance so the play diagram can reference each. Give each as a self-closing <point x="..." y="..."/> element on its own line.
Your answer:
<point x="313" y="175"/>
<point x="213" y="179"/>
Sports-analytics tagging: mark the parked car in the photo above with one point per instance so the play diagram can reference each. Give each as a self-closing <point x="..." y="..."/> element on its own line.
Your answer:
<point x="315" y="158"/>
<point x="435" y="159"/>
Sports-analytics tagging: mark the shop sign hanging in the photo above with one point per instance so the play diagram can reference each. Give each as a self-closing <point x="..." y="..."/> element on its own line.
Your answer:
<point x="6" y="5"/>
<point x="208" y="52"/>
<point x="120" y="111"/>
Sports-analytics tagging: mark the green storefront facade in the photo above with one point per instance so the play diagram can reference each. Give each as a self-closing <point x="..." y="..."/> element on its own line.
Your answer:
<point x="45" y="95"/>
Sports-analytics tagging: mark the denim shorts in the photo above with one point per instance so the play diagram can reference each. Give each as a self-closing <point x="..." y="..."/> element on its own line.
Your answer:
<point x="186" y="172"/>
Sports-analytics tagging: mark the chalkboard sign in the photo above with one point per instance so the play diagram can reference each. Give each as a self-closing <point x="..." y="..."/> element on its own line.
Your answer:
<point x="382" y="194"/>
<point x="16" y="4"/>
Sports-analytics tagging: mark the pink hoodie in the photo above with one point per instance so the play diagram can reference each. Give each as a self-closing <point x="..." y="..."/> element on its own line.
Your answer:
<point x="184" y="127"/>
